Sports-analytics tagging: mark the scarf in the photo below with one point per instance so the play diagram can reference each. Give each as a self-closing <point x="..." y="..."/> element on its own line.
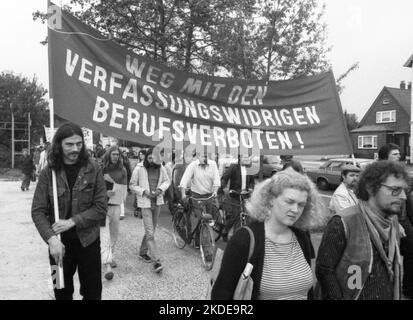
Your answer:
<point x="385" y="231"/>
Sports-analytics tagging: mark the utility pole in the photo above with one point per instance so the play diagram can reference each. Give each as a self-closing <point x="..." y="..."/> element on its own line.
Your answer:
<point x="28" y="130"/>
<point x="12" y="136"/>
<point x="409" y="64"/>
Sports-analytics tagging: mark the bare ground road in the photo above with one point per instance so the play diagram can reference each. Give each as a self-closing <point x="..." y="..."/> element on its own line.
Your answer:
<point x="24" y="271"/>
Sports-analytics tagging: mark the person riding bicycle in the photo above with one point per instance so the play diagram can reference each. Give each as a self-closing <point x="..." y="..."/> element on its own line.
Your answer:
<point x="203" y="176"/>
<point x="239" y="181"/>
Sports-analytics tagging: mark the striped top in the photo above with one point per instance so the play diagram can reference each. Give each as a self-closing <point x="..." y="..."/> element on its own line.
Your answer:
<point x="286" y="274"/>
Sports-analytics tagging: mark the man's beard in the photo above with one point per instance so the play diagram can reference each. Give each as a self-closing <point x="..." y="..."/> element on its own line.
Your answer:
<point x="390" y="212"/>
<point x="153" y="165"/>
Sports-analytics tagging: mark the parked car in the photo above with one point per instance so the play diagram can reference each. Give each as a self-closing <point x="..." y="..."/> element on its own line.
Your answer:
<point x="270" y="164"/>
<point x="329" y="174"/>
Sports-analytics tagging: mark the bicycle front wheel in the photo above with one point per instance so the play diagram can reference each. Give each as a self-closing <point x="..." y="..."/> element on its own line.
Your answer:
<point x="180" y="229"/>
<point x="207" y="246"/>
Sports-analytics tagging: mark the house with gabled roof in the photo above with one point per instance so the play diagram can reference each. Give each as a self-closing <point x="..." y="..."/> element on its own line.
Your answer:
<point x="387" y="121"/>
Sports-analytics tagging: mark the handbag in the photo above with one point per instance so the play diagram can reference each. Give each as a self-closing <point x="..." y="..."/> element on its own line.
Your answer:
<point x="244" y="287"/>
<point x="245" y="284"/>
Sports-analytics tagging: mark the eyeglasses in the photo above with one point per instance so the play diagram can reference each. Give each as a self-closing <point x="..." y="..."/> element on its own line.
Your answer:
<point x="395" y="191"/>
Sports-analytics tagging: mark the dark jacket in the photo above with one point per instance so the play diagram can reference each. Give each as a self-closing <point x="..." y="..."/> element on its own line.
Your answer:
<point x="406" y="247"/>
<point x="348" y="265"/>
<point x="27" y="165"/>
<point x="89" y="202"/>
<point x="233" y="173"/>
<point x="236" y="255"/>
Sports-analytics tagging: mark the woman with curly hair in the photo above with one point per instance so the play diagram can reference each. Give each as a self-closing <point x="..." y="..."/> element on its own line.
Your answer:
<point x="283" y="208"/>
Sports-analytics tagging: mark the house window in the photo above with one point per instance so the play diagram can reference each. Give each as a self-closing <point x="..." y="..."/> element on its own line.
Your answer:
<point x="367" y="142"/>
<point x="386" y="101"/>
<point x="386" y="116"/>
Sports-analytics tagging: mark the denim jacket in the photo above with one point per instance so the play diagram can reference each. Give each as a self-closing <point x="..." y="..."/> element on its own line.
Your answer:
<point x="89" y="202"/>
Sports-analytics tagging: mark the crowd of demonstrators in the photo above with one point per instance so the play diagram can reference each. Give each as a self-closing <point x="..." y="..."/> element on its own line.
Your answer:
<point x="282" y="207"/>
<point x="28" y="169"/>
<point x="150" y="181"/>
<point x="114" y="172"/>
<point x="344" y="196"/>
<point x="82" y="201"/>
<point x="202" y="178"/>
<point x="239" y="181"/>
<point x="359" y="255"/>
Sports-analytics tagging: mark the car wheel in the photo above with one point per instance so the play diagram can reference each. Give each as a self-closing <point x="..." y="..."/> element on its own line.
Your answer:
<point x="322" y="184"/>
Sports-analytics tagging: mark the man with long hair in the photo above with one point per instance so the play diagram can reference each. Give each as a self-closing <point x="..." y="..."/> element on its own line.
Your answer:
<point x="150" y="182"/>
<point x="113" y="172"/>
<point x="359" y="254"/>
<point x="82" y="202"/>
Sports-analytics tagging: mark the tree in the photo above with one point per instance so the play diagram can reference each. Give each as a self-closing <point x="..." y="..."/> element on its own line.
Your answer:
<point x="351" y="120"/>
<point x="21" y="95"/>
<point x="249" y="39"/>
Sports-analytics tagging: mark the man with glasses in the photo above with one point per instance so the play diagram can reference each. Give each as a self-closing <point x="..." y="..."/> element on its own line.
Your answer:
<point x="359" y="255"/>
<point x="391" y="152"/>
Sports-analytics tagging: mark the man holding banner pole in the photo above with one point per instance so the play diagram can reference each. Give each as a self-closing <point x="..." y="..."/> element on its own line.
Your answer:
<point x="82" y="205"/>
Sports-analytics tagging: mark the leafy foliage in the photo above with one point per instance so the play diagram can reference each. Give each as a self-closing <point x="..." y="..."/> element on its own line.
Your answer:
<point x="22" y="95"/>
<point x="248" y="39"/>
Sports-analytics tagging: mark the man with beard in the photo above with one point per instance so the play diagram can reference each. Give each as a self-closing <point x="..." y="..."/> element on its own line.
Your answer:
<point x="150" y="182"/>
<point x="391" y="152"/>
<point x="82" y="207"/>
<point x="344" y="195"/>
<point x="359" y="256"/>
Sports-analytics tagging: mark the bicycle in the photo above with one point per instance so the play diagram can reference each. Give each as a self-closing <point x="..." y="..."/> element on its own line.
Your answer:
<point x="221" y="221"/>
<point x="182" y="234"/>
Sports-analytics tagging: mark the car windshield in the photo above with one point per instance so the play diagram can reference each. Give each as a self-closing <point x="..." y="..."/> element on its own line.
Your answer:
<point x="271" y="159"/>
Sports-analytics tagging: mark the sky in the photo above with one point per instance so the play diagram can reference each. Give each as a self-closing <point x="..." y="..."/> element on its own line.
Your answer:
<point x="377" y="34"/>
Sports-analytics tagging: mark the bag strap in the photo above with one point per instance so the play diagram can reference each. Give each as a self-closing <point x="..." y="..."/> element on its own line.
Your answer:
<point x="252" y="242"/>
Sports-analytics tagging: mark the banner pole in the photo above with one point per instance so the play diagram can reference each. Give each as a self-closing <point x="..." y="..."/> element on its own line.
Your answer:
<point x="60" y="283"/>
<point x="354" y="160"/>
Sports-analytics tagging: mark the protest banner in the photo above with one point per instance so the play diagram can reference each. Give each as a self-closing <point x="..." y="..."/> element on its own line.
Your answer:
<point x="100" y="85"/>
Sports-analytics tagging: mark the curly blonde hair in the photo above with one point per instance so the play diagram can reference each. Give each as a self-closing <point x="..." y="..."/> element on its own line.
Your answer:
<point x="259" y="205"/>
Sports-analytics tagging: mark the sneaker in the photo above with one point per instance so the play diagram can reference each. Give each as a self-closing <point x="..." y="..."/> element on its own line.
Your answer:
<point x="109" y="275"/>
<point x="157" y="267"/>
<point x="145" y="258"/>
<point x="122" y="217"/>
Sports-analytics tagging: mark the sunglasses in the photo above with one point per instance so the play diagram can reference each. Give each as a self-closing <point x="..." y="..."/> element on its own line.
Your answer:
<point x="395" y="191"/>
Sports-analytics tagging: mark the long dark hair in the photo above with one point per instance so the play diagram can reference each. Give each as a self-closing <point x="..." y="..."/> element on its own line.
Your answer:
<point x="55" y="155"/>
<point x="107" y="164"/>
<point x="146" y="163"/>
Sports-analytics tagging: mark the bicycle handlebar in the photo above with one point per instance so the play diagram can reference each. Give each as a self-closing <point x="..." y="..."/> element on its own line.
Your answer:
<point x="242" y="193"/>
<point x="203" y="199"/>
